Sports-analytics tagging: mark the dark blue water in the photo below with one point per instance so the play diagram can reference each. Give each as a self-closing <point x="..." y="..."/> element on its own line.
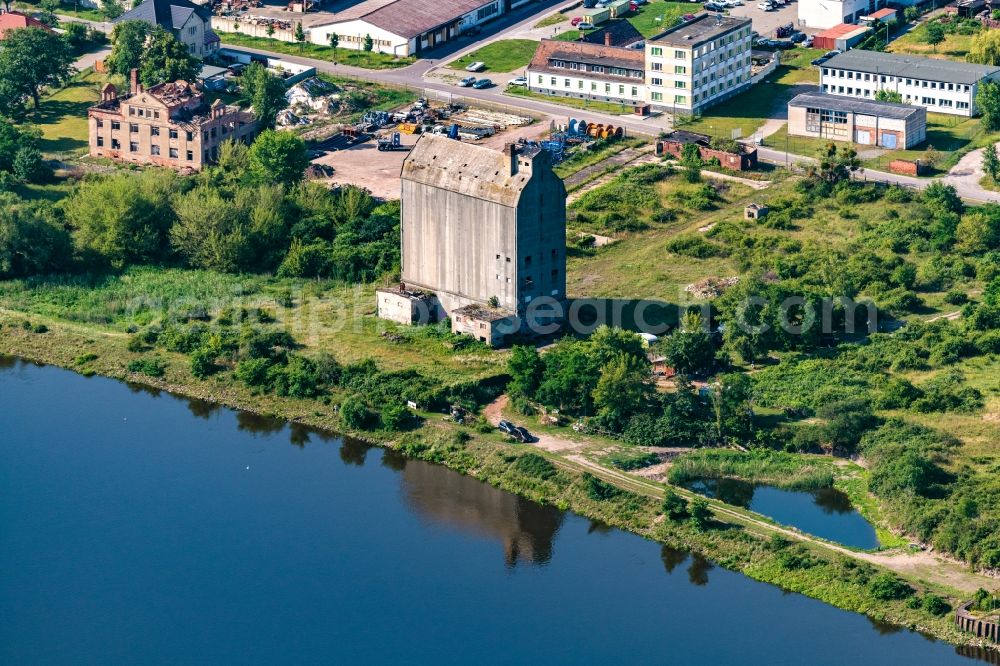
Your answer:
<point x="138" y="528"/>
<point x="826" y="513"/>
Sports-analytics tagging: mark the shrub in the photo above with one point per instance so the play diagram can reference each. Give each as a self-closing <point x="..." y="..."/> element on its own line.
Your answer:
<point x="354" y="412"/>
<point x="151" y="367"/>
<point x="532" y="464"/>
<point x="692" y="245"/>
<point x="675" y="507"/>
<point x="630" y="461"/>
<point x="935" y="605"/>
<point x="39" y="328"/>
<point x="886" y="587"/>
<point x="202" y="362"/>
<point x="394" y="417"/>
<point x="83" y="359"/>
<point x="600" y="490"/>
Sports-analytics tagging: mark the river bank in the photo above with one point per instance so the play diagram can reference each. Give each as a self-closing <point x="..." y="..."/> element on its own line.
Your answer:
<point x="736" y="540"/>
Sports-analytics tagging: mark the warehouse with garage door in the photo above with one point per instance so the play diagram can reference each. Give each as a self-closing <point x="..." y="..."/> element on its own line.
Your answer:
<point x="863" y="121"/>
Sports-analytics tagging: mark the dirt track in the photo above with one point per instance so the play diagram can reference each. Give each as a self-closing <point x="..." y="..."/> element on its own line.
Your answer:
<point x="922" y="564"/>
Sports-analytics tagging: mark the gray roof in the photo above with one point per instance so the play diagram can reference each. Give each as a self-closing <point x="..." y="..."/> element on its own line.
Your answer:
<point x="898" y="64"/>
<point x="171" y="14"/>
<point x="406" y="18"/>
<point x="465" y="168"/>
<point x="868" y="107"/>
<point x="701" y="29"/>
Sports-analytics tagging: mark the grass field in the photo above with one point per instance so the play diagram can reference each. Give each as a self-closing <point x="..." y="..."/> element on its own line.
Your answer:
<point x="66" y="9"/>
<point x="366" y="59"/>
<point x="954" y="46"/>
<point x="505" y="55"/>
<point x="62" y="116"/>
<point x="656" y="16"/>
<point x="950" y="137"/>
<point x="576" y="103"/>
<point x="552" y="19"/>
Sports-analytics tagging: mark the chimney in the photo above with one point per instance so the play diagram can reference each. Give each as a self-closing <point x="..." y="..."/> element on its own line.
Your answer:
<point x="510" y="152"/>
<point x="607" y="38"/>
<point x="135" y="87"/>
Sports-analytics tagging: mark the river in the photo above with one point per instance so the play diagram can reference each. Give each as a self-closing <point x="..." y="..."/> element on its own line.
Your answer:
<point x="138" y="527"/>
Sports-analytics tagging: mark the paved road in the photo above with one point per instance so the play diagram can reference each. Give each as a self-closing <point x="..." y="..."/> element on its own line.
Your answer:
<point x="964" y="177"/>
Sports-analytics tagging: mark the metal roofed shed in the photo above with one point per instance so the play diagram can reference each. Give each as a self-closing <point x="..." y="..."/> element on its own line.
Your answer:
<point x="897" y="64"/>
<point x="864" y="121"/>
<point x="841" y="37"/>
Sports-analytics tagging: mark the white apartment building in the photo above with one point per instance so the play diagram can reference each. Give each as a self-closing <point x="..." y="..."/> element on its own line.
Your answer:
<point x="823" y="14"/>
<point x="588" y="71"/>
<point x="699" y="63"/>
<point x="941" y="86"/>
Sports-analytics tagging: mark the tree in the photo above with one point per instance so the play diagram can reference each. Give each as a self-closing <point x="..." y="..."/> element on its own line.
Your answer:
<point x="988" y="101"/>
<point x="112" y="9"/>
<point x="334" y="43"/>
<point x="264" y="92"/>
<point x="991" y="163"/>
<point x="732" y="410"/>
<point x="911" y="14"/>
<point x="835" y="165"/>
<point x="166" y="58"/>
<point x="277" y="157"/>
<point x="76" y="36"/>
<point x="354" y="412"/>
<point x="269" y="30"/>
<point x="675" y="507"/>
<point x="32" y="241"/>
<point x="122" y="219"/>
<point x="369" y="43"/>
<point x="691" y="159"/>
<point x="29" y="166"/>
<point x="300" y="35"/>
<point x="12" y="140"/>
<point x="526" y="368"/>
<point x="623" y="389"/>
<point x="128" y="42"/>
<point x="31" y="59"/>
<point x="688" y="349"/>
<point x="242" y="230"/>
<point x="886" y="95"/>
<point x="700" y="514"/>
<point x="985" y="48"/>
<point x="934" y="34"/>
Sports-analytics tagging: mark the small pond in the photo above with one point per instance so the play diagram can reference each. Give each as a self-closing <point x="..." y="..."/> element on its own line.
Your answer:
<point x="826" y="513"/>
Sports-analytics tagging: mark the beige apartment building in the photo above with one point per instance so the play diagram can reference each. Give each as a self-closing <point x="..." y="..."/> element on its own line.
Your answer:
<point x="168" y="125"/>
<point x="697" y="64"/>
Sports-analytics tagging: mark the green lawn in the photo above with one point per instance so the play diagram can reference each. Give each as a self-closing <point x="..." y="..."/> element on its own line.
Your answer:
<point x="368" y="60"/>
<point x="62" y="116"/>
<point x="552" y="19"/>
<point x="505" y="55"/>
<point x="746" y="112"/>
<point x="656" y="16"/>
<point x="65" y="9"/>
<point x="954" y="46"/>
<point x="569" y="35"/>
<point x="576" y="103"/>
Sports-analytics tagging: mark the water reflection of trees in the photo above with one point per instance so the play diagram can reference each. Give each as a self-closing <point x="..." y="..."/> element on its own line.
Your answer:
<point x="697" y="571"/>
<point x="525" y="529"/>
<point x="831" y="500"/>
<point x="353" y="452"/>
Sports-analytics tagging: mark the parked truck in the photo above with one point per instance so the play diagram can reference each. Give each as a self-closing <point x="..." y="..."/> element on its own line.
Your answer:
<point x="389" y="143"/>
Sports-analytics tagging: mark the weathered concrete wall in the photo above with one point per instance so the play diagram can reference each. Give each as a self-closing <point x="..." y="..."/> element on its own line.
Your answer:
<point x="541" y="236"/>
<point x="458" y="244"/>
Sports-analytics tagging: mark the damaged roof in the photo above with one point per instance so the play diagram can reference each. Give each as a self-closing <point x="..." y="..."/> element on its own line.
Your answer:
<point x="468" y="169"/>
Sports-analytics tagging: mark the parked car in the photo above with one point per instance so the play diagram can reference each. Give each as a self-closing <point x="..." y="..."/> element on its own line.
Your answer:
<point x="585" y="25"/>
<point x="808" y="43"/>
<point x="519" y="81"/>
<point x="482" y="83"/>
<point x="819" y="61"/>
<point x="506" y="427"/>
<point x="765" y="6"/>
<point x="798" y="37"/>
<point x="687" y="17"/>
<point x="782" y="44"/>
<point x="784" y="30"/>
<point x="577" y="20"/>
<point x="714" y="7"/>
<point x="522" y="434"/>
<point x="466" y="82"/>
<point x="476" y="67"/>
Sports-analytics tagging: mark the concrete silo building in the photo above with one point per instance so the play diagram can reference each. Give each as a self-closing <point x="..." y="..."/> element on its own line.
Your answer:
<point x="483" y="238"/>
